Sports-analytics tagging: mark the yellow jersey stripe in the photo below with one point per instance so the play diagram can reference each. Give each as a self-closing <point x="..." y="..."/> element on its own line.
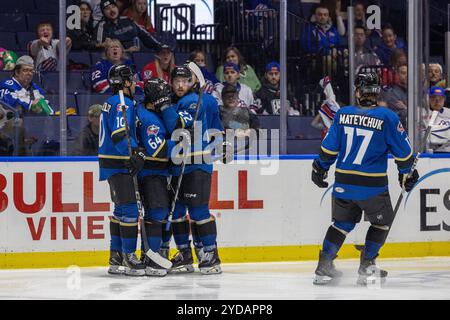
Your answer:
<point x="359" y="173"/>
<point x="106" y="156"/>
<point x="333" y="153"/>
<point x="117" y="131"/>
<point x="404" y="159"/>
<point x="159" y="149"/>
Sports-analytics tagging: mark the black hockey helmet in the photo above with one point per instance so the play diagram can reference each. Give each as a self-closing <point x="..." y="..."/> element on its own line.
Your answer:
<point x="368" y="87"/>
<point x="181" y="72"/>
<point x="118" y="74"/>
<point x="155" y="89"/>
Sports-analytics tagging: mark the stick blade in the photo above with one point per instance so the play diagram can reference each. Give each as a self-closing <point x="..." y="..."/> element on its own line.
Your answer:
<point x="198" y="73"/>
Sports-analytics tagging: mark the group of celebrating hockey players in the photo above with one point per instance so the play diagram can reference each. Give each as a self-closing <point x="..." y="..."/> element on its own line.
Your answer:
<point x="147" y="128"/>
<point x="359" y="139"/>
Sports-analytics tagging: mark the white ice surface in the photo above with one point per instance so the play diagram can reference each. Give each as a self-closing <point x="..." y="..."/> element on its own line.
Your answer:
<point x="425" y="278"/>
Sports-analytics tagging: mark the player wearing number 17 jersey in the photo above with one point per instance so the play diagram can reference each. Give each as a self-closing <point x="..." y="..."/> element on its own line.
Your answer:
<point x="359" y="141"/>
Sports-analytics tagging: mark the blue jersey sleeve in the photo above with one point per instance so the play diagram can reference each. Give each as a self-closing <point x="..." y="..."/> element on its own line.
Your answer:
<point x="331" y="145"/>
<point x="116" y="123"/>
<point x="399" y="144"/>
<point x="9" y="96"/>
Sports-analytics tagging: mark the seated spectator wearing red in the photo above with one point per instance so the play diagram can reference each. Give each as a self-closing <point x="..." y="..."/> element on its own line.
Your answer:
<point x="45" y="49"/>
<point x="83" y="38"/>
<point x="232" y="75"/>
<point x="122" y="28"/>
<point x="247" y="74"/>
<point x="390" y="42"/>
<point x="320" y="36"/>
<point x="162" y="66"/>
<point x="114" y="54"/>
<point x="198" y="57"/>
<point x="138" y="12"/>
<point x="269" y="94"/>
<point x="21" y="92"/>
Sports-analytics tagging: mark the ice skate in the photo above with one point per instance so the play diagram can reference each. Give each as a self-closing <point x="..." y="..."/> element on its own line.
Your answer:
<point x="182" y="262"/>
<point x="326" y="272"/>
<point x="152" y="269"/>
<point x="210" y="263"/>
<point x="115" y="263"/>
<point x="370" y="273"/>
<point x="133" y="267"/>
<point x="199" y="253"/>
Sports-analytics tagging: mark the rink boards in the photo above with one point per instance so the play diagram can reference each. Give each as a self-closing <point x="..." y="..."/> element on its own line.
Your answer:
<point x="54" y="212"/>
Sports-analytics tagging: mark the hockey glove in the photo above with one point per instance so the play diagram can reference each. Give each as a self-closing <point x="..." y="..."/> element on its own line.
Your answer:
<point x="136" y="162"/>
<point x="318" y="175"/>
<point x="410" y="182"/>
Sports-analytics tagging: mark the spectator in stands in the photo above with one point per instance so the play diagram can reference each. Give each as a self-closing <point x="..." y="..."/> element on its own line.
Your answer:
<point x="334" y="8"/>
<point x="122" y="28"/>
<point x="20" y="90"/>
<point x="232" y="75"/>
<point x="6" y="141"/>
<point x="269" y="94"/>
<point x="162" y="65"/>
<point x="83" y="38"/>
<point x="320" y="36"/>
<point x="233" y="116"/>
<point x="45" y="49"/>
<point x="198" y="57"/>
<point x="436" y="75"/>
<point x="389" y="44"/>
<point x="364" y="56"/>
<point x="374" y="36"/>
<point x="138" y="12"/>
<point x="114" y="54"/>
<point x="439" y="140"/>
<point x="247" y="74"/>
<point x="396" y="97"/>
<point x="8" y="60"/>
<point x="86" y="144"/>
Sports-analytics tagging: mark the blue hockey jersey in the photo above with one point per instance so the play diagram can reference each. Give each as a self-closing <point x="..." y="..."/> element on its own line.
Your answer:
<point x="153" y="135"/>
<point x="113" y="145"/>
<point x="14" y="94"/>
<point x="181" y="116"/>
<point x="360" y="140"/>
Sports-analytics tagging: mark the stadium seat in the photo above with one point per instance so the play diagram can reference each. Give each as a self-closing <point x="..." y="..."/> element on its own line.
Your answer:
<point x="54" y="101"/>
<point x="142" y="58"/>
<point x="35" y="19"/>
<point x="4" y="75"/>
<point x="84" y="101"/>
<point x="13" y="22"/>
<point x="8" y="40"/>
<point x="50" y="82"/>
<point x="300" y="128"/>
<point x="24" y="38"/>
<point x="75" y="124"/>
<point x="25" y="6"/>
<point x="80" y="57"/>
<point x="95" y="57"/>
<point x="47" y="6"/>
<point x="45" y="129"/>
<point x="76" y="82"/>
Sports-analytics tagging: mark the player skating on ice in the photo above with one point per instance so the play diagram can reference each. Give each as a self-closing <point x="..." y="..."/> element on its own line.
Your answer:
<point x="195" y="188"/>
<point x="114" y="161"/>
<point x="359" y="140"/>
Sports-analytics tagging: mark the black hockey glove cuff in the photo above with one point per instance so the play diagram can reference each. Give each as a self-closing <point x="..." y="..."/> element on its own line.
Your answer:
<point x="318" y="175"/>
<point x="136" y="162"/>
<point x="410" y="182"/>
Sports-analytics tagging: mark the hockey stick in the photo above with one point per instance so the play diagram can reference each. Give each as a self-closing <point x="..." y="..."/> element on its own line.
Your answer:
<point x="155" y="257"/>
<point x="427" y="136"/>
<point x="198" y="73"/>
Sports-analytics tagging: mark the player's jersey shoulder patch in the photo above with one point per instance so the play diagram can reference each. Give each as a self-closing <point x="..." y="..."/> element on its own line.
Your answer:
<point x="153" y="130"/>
<point x="106" y="107"/>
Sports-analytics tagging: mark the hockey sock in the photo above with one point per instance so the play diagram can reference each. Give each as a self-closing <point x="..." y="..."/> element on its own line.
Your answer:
<point x="375" y="239"/>
<point x="129" y="233"/>
<point x="166" y="235"/>
<point x="334" y="240"/>
<point x="180" y="230"/>
<point x="207" y="231"/>
<point x="114" y="229"/>
<point x="195" y="235"/>
<point x="153" y="231"/>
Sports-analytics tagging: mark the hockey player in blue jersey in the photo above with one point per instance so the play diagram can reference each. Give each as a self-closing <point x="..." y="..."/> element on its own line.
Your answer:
<point x="196" y="183"/>
<point x="360" y="139"/>
<point x="155" y="138"/>
<point x="118" y="168"/>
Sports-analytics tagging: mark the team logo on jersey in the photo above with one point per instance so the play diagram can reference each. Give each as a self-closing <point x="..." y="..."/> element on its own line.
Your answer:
<point x="193" y="106"/>
<point x="106" y="107"/>
<point x="152" y="130"/>
<point x="148" y="74"/>
<point x="400" y="128"/>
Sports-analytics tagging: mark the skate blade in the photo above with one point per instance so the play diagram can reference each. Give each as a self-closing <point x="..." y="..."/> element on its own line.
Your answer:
<point x="134" y="272"/>
<point x="116" y="270"/>
<point x="323" y="280"/>
<point x="150" y="272"/>
<point x="211" y="270"/>
<point x="182" y="269"/>
<point x="370" y="280"/>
